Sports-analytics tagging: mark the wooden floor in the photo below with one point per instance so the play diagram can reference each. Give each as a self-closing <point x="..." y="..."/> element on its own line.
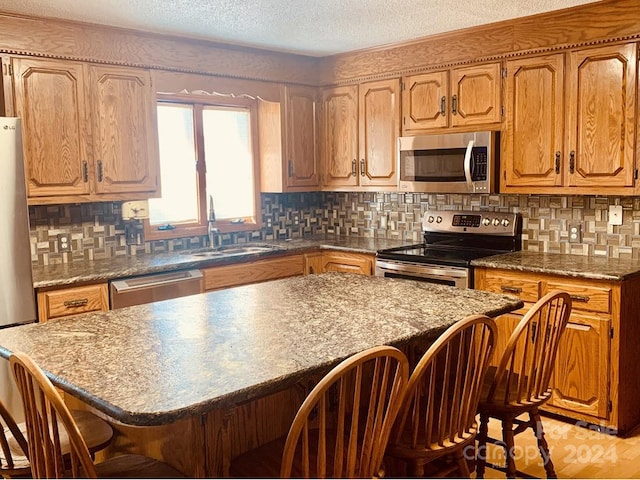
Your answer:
<point x="576" y="451"/>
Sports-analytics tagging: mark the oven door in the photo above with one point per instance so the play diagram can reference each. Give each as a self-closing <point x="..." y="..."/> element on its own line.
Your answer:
<point x="459" y="277"/>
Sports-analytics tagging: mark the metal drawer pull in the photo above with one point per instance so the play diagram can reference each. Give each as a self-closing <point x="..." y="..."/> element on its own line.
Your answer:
<point x="505" y="288"/>
<point x="580" y="298"/>
<point x="81" y="302"/>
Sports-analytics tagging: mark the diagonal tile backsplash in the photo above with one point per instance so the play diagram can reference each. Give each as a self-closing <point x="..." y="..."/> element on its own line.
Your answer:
<point x="97" y="230"/>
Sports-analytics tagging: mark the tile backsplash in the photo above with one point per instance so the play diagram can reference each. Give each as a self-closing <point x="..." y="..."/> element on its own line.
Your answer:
<point x="97" y="230"/>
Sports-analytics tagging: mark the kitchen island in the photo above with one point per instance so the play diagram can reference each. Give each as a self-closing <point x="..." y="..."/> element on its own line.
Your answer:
<point x="219" y="372"/>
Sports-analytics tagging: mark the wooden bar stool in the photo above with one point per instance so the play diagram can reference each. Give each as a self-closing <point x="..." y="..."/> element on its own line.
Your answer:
<point x="436" y="428"/>
<point x="520" y="383"/>
<point x="50" y="426"/>
<point x="342" y="428"/>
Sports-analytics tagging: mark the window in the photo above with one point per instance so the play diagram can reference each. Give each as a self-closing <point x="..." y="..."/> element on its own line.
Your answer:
<point x="207" y="158"/>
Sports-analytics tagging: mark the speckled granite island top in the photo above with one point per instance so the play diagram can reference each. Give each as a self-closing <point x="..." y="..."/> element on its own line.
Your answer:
<point x="128" y="266"/>
<point x="579" y="266"/>
<point x="156" y="363"/>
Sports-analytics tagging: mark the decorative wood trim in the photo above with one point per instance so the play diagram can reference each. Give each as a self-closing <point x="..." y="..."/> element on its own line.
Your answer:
<point x="618" y="21"/>
<point x="118" y="46"/>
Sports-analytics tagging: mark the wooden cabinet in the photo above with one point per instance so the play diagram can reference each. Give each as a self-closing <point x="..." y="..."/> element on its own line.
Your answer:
<point x="570" y="122"/>
<point x="339" y="261"/>
<point x="595" y="377"/>
<point x="461" y="97"/>
<point x="289" y="156"/>
<point x="360" y="126"/>
<point x="89" y="131"/>
<point x="62" y="302"/>
<point x="225" y="276"/>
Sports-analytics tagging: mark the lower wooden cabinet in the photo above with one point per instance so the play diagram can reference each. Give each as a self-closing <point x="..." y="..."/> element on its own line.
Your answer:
<point x="339" y="261"/>
<point x="62" y="302"/>
<point x="595" y="377"/>
<point x="225" y="276"/>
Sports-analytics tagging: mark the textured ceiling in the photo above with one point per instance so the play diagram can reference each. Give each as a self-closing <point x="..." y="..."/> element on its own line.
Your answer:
<point x="308" y="27"/>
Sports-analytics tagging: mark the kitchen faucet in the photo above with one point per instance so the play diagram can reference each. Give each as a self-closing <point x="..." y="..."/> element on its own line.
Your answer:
<point x="214" y="231"/>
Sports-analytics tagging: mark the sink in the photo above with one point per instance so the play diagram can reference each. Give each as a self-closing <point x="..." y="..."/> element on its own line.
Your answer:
<point x="237" y="250"/>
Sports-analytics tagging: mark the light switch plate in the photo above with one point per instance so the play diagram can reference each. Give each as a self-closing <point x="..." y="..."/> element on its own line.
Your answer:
<point x="615" y="214"/>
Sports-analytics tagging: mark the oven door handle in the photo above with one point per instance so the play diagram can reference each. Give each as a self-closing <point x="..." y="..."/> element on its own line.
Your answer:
<point x="421" y="269"/>
<point x="467" y="165"/>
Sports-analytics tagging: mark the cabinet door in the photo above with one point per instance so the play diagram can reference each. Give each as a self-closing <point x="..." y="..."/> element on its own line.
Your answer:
<point x="425" y="102"/>
<point x="532" y="142"/>
<point x="340" y="136"/>
<point x="601" y="114"/>
<point x="50" y="98"/>
<point x="581" y="372"/>
<point x="379" y="114"/>
<point x="124" y="130"/>
<point x="475" y="95"/>
<point x="301" y="151"/>
<point x="347" y="263"/>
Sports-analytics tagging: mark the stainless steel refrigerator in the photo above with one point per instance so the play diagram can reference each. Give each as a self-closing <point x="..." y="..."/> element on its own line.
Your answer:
<point x="17" y="296"/>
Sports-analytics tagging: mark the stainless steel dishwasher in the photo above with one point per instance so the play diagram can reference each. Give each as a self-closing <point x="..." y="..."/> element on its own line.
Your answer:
<point x="153" y="288"/>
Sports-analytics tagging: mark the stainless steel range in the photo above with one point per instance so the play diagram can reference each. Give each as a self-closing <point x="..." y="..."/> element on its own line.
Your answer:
<point x="452" y="239"/>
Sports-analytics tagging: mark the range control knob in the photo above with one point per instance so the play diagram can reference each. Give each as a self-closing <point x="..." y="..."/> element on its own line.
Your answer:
<point x="496" y="221"/>
<point x="505" y="222"/>
<point x="438" y="219"/>
<point x="430" y="219"/>
<point x="486" y="221"/>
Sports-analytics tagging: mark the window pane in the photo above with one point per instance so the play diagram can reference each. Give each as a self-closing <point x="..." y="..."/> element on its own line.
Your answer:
<point x="229" y="158"/>
<point x="179" y="202"/>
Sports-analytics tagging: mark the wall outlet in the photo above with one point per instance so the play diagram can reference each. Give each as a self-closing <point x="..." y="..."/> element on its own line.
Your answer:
<point x="575" y="233"/>
<point x="615" y="214"/>
<point x="64" y="242"/>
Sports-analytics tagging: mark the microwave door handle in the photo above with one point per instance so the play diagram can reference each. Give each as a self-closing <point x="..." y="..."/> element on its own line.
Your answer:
<point x="467" y="165"/>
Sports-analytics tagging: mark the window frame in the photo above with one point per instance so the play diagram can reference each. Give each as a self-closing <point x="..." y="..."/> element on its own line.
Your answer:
<point x="199" y="102"/>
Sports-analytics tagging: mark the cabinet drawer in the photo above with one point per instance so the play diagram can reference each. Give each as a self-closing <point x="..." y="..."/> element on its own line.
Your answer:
<point x="512" y="284"/>
<point x="587" y="298"/>
<point x="252" y="272"/>
<point x="71" y="301"/>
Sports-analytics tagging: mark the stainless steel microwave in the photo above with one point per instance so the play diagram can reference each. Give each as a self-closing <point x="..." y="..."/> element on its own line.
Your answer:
<point x="448" y="163"/>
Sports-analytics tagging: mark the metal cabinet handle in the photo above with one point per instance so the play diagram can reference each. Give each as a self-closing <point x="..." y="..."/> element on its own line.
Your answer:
<point x="290" y="168"/>
<point x="580" y="298"/>
<point x="85" y="171"/>
<point x="572" y="161"/>
<point x="454" y="105"/>
<point x="362" y="167"/>
<point x="557" y="163"/>
<point x="508" y="289"/>
<point x="80" y="302"/>
<point x="443" y="105"/>
<point x="354" y="167"/>
<point x="99" y="170"/>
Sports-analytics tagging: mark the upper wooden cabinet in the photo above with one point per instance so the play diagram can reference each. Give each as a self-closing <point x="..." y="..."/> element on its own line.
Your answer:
<point x="302" y="151"/>
<point x="570" y="123"/>
<point x="124" y="130"/>
<point x="456" y="98"/>
<point x="359" y="131"/>
<point x="289" y="158"/>
<point x="50" y="98"/>
<point x="89" y="131"/>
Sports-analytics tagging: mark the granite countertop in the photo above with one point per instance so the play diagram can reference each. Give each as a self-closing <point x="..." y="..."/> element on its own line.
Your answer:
<point x="155" y="363"/>
<point x="579" y="266"/>
<point x="128" y="266"/>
